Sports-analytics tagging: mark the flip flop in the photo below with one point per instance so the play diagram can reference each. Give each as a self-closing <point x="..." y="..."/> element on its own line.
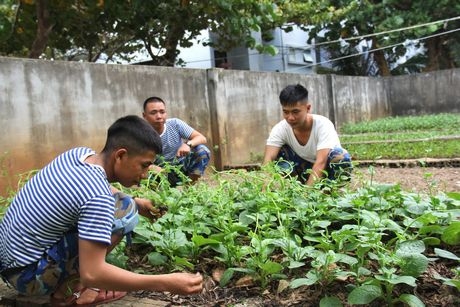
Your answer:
<point x="104" y="296"/>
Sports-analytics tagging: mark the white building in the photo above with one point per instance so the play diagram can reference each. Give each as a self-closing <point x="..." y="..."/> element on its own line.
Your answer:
<point x="294" y="55"/>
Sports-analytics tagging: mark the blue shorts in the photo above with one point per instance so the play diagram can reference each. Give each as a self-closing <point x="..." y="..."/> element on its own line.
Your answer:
<point x="338" y="165"/>
<point x="61" y="260"/>
<point x="196" y="162"/>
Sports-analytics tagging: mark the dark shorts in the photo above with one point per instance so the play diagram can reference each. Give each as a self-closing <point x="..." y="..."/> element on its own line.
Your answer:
<point x="338" y="165"/>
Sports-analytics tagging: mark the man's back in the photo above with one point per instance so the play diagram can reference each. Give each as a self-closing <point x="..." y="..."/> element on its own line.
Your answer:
<point x="62" y="194"/>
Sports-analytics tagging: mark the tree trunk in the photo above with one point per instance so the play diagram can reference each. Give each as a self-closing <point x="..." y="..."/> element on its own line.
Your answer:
<point x="379" y="57"/>
<point x="174" y="35"/>
<point x="43" y="29"/>
<point x="438" y="55"/>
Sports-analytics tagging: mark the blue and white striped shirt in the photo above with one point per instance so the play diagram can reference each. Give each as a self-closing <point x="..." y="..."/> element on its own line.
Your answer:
<point x="67" y="193"/>
<point x="176" y="131"/>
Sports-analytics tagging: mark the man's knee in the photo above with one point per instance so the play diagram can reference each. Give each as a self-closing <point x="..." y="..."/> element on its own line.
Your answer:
<point x="339" y="155"/>
<point x="340" y="164"/>
<point x="202" y="153"/>
<point x="126" y="214"/>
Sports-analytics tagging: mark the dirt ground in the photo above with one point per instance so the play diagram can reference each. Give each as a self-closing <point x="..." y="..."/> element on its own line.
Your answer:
<point x="417" y="179"/>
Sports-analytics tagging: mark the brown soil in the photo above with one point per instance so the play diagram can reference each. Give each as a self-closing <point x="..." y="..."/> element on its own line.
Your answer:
<point x="414" y="179"/>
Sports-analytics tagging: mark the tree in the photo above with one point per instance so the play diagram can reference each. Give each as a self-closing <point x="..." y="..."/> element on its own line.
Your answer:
<point x="338" y="21"/>
<point x="111" y="29"/>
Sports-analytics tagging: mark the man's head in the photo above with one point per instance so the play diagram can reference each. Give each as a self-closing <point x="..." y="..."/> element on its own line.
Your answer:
<point x="131" y="147"/>
<point x="154" y="111"/>
<point x="293" y="94"/>
<point x="295" y="105"/>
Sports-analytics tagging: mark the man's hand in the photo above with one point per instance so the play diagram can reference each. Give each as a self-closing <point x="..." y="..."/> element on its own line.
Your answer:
<point x="155" y="168"/>
<point x="183" y="150"/>
<point x="148" y="210"/>
<point x="183" y="283"/>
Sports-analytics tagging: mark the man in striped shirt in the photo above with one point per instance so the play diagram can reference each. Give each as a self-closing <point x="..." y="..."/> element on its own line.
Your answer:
<point x="59" y="227"/>
<point x="183" y="146"/>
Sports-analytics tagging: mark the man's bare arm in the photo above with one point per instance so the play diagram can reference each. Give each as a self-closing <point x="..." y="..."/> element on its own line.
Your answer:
<point x="271" y="152"/>
<point x="319" y="166"/>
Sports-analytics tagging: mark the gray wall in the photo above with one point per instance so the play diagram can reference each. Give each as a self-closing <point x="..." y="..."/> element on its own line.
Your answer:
<point x="359" y="99"/>
<point x="47" y="107"/>
<point x="434" y="92"/>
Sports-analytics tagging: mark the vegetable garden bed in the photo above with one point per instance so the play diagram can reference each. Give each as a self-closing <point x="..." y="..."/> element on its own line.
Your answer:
<point x="277" y="240"/>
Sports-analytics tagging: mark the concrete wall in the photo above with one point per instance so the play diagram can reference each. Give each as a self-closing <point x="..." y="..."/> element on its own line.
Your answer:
<point x="359" y="99"/>
<point x="434" y="92"/>
<point x="47" y="107"/>
<point x="247" y="106"/>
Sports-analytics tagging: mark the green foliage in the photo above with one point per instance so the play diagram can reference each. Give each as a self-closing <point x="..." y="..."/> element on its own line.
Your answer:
<point x="117" y="30"/>
<point x="334" y="21"/>
<point x="405" y="123"/>
<point x="432" y="136"/>
<point x="263" y="225"/>
<point x="378" y="239"/>
<point x="401" y="150"/>
<point x="7" y="16"/>
<point x="441" y="132"/>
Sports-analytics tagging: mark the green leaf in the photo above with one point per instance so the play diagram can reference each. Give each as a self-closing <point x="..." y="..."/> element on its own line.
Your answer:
<point x="183" y="262"/>
<point x="445" y="254"/>
<point x="364" y="294"/>
<point x="453" y="283"/>
<point x="413" y="264"/>
<point x="330" y="301"/>
<point x="272" y="50"/>
<point x="452" y="234"/>
<point x="228" y="274"/>
<point x="298" y="282"/>
<point x="295" y="264"/>
<point x="200" y="241"/>
<point x="453" y="195"/>
<point x="155" y="258"/>
<point x="346" y="259"/>
<point x="431" y="241"/>
<point x="411" y="247"/>
<point x="411" y="300"/>
<point x="408" y="280"/>
<point x="271" y="267"/>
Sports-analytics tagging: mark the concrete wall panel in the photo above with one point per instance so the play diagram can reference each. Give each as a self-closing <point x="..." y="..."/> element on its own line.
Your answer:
<point x="358" y="99"/>
<point x="248" y="106"/>
<point x="47" y="107"/>
<point x="427" y="93"/>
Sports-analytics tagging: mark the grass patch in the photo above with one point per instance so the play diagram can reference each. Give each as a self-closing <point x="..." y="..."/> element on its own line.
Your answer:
<point x="404" y="150"/>
<point x="401" y="136"/>
<point x="409" y="137"/>
<point x="432" y="122"/>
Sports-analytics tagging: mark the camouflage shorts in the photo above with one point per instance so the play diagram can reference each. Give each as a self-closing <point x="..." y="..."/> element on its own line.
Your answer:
<point x="338" y="164"/>
<point x="61" y="260"/>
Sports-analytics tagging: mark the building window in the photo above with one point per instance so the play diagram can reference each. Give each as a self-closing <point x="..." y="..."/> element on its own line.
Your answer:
<point x="299" y="56"/>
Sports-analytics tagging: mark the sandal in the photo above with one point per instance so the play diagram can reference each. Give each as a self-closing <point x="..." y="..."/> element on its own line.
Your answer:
<point x="104" y="296"/>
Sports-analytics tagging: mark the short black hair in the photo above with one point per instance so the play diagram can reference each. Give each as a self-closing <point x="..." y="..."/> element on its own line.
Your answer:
<point x="133" y="133"/>
<point x="152" y="99"/>
<point x="292" y="94"/>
